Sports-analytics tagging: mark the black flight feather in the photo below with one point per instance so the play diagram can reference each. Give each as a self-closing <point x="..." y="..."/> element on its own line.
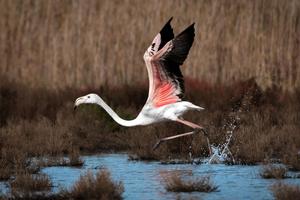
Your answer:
<point x="175" y="57"/>
<point x="166" y="34"/>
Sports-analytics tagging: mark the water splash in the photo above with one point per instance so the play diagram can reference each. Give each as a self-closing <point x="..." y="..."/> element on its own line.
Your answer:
<point x="221" y="153"/>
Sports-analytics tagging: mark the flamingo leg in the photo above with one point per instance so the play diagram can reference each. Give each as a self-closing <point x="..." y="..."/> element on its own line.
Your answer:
<point x="190" y="124"/>
<point x="197" y="128"/>
<point x="172" y="137"/>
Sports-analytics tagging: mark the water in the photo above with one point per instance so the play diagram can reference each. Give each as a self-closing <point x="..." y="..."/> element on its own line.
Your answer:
<point x="4" y="188"/>
<point x="142" y="180"/>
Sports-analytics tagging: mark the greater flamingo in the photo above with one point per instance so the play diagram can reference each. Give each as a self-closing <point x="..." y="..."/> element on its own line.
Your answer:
<point x="166" y="85"/>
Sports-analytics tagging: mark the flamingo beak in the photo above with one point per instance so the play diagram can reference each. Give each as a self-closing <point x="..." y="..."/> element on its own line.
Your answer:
<point x="77" y="103"/>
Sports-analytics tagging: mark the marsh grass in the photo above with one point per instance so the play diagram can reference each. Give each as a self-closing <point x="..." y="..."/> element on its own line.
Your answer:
<point x="283" y="191"/>
<point x="267" y="125"/>
<point x="99" y="186"/>
<point x="26" y="185"/>
<point x="177" y="181"/>
<point x="273" y="171"/>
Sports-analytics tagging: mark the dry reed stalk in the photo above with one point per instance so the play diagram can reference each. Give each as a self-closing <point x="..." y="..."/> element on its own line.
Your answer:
<point x="59" y="44"/>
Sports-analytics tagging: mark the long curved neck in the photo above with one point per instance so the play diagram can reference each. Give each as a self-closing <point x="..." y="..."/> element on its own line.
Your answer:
<point x="115" y="116"/>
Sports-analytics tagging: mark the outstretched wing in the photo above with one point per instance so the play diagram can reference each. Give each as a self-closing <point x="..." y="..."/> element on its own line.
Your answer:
<point x="166" y="84"/>
<point x="165" y="35"/>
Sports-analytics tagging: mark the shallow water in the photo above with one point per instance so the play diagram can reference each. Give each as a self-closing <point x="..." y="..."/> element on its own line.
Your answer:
<point x="142" y="180"/>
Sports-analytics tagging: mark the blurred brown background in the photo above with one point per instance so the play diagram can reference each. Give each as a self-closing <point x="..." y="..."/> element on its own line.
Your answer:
<point x="64" y="43"/>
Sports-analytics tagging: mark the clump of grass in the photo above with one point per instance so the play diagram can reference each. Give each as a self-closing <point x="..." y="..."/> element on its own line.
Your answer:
<point x="74" y="159"/>
<point x="175" y="182"/>
<point x="285" y="192"/>
<point x="26" y="184"/>
<point x="273" y="171"/>
<point x="100" y="186"/>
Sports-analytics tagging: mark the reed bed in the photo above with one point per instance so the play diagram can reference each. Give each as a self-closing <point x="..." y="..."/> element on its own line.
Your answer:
<point x="79" y="44"/>
<point x="266" y="121"/>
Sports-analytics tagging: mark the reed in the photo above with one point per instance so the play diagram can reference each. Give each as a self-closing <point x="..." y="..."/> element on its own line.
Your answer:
<point x="61" y="44"/>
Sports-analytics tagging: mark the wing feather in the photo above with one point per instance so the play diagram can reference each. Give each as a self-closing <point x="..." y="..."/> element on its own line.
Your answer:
<point x="165" y="78"/>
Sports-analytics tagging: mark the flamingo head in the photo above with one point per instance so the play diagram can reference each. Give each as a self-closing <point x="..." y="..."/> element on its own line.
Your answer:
<point x="87" y="99"/>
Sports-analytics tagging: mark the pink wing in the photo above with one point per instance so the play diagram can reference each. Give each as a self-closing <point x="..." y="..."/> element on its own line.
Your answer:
<point x="166" y="83"/>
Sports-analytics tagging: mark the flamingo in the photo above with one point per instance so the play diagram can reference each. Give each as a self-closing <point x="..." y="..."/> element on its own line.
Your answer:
<point x="166" y="85"/>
